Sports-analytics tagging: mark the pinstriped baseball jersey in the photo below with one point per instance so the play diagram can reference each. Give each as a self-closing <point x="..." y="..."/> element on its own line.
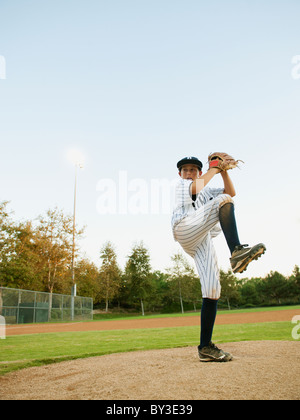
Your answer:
<point x="195" y="223"/>
<point x="184" y="203"/>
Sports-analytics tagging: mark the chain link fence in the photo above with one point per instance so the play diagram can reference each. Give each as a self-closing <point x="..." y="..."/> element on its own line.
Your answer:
<point x="19" y="306"/>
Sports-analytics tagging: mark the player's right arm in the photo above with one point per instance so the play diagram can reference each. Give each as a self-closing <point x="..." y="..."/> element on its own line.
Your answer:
<point x="199" y="183"/>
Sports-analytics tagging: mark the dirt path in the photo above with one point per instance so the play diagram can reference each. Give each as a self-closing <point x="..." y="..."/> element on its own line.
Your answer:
<point x="230" y="318"/>
<point x="260" y="370"/>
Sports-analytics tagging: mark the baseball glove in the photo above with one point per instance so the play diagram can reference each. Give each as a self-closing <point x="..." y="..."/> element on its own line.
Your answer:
<point x="222" y="161"/>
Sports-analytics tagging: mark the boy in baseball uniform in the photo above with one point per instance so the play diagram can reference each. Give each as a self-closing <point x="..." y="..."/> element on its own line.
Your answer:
<point x="200" y="214"/>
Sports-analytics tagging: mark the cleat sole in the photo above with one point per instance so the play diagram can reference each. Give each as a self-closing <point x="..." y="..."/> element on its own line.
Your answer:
<point x="243" y="267"/>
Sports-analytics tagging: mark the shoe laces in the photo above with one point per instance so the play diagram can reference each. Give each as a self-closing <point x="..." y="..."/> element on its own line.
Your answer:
<point x="213" y="346"/>
<point x="238" y="247"/>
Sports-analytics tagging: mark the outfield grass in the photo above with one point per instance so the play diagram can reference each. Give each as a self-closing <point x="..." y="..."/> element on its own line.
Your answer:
<point x="17" y="352"/>
<point x="119" y="317"/>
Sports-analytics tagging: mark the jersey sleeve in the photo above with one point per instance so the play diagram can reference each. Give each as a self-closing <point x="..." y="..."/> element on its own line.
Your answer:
<point x="216" y="191"/>
<point x="183" y="201"/>
<point x="183" y="195"/>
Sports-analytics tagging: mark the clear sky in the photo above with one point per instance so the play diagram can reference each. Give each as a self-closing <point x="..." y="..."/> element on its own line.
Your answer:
<point x="135" y="85"/>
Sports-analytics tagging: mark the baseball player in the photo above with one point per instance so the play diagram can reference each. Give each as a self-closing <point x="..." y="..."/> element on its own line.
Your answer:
<point x="200" y="214"/>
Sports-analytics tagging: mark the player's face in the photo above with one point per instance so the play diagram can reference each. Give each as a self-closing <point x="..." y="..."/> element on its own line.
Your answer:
<point x="189" y="172"/>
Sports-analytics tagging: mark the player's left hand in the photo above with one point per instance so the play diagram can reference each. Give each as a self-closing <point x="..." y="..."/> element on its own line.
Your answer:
<point x="222" y="161"/>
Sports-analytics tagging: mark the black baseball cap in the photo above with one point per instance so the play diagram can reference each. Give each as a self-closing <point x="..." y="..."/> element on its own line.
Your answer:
<point x="191" y="160"/>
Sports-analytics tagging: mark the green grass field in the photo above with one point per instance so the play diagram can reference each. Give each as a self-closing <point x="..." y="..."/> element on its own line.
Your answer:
<point x="113" y="316"/>
<point x="18" y="352"/>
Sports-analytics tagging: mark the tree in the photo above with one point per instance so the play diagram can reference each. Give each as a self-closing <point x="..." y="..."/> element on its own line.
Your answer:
<point x="110" y="274"/>
<point x="36" y="256"/>
<point x="294" y="283"/>
<point x="229" y="287"/>
<point x="274" y="286"/>
<point x="159" y="290"/>
<point x="7" y="241"/>
<point x="138" y="274"/>
<point x="249" y="293"/>
<point x="18" y="261"/>
<point x="184" y="283"/>
<point x="53" y="244"/>
<point x="87" y="279"/>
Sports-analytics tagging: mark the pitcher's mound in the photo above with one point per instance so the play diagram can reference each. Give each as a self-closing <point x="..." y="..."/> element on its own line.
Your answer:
<point x="260" y="370"/>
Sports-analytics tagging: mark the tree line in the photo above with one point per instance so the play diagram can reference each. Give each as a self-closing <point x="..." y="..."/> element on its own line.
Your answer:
<point x="37" y="255"/>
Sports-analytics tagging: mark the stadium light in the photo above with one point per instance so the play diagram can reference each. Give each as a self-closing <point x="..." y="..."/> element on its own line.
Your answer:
<point x="77" y="158"/>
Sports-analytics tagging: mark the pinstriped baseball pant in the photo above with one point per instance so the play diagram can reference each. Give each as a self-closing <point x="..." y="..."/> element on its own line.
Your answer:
<point x="195" y="234"/>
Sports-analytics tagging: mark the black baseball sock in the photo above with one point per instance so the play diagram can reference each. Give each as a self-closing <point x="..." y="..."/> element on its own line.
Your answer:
<point x="228" y="225"/>
<point x="208" y="316"/>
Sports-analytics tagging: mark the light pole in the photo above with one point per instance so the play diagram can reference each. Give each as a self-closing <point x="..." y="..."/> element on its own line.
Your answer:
<point x="78" y="164"/>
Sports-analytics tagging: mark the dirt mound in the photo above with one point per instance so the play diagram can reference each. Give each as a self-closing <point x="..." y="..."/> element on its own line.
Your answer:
<point x="260" y="370"/>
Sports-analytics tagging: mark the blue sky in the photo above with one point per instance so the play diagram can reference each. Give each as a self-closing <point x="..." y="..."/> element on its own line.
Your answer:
<point x="137" y="85"/>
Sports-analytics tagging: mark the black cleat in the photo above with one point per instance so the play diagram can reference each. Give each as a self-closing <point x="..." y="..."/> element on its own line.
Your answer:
<point x="242" y="256"/>
<point x="212" y="353"/>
